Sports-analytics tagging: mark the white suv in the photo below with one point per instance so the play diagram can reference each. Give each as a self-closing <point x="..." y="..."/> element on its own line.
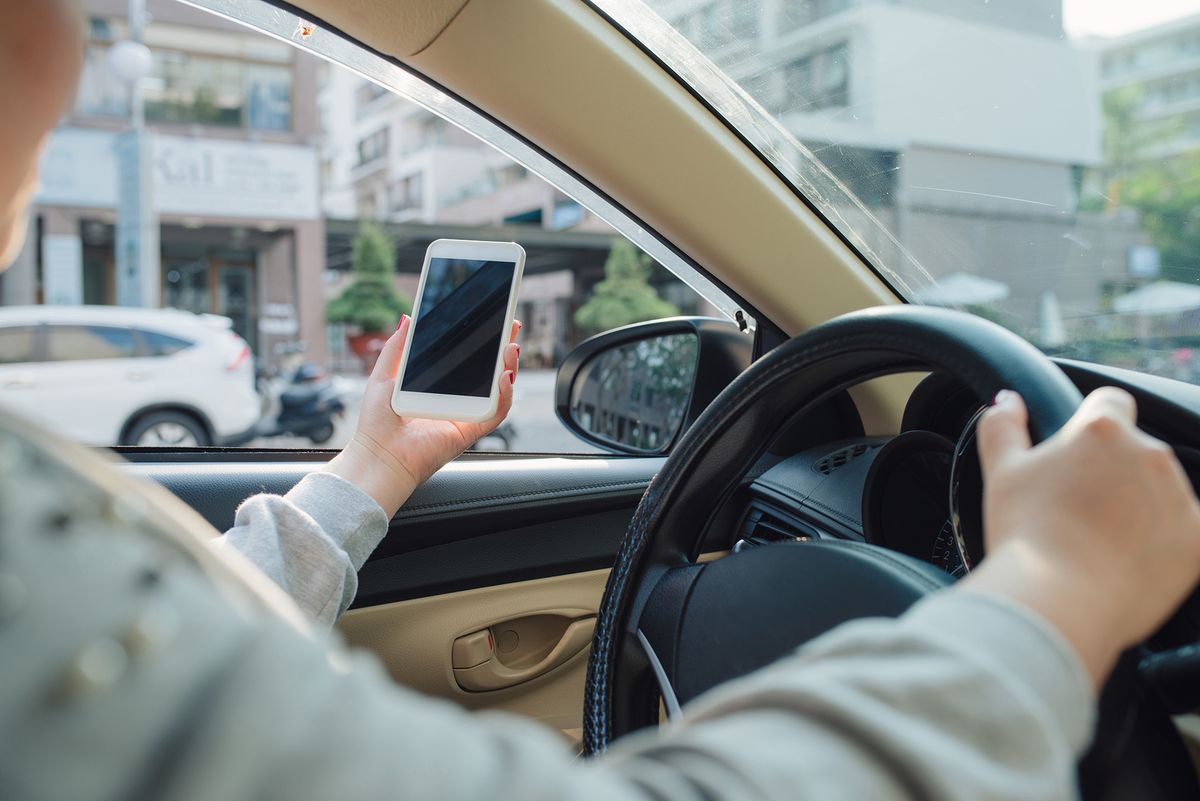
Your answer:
<point x="107" y="375"/>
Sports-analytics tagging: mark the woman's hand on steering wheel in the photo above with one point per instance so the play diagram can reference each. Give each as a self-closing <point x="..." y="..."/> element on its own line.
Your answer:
<point x="390" y="455"/>
<point x="1096" y="529"/>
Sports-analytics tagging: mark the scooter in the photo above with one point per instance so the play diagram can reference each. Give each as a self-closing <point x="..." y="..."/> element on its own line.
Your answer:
<point x="501" y="439"/>
<point x="307" y="407"/>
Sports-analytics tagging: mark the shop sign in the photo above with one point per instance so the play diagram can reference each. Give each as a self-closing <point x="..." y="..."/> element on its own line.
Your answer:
<point x="236" y="179"/>
<point x="192" y="176"/>
<point x="279" y="319"/>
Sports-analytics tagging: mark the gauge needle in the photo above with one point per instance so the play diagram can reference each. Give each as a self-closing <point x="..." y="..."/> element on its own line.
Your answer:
<point x="670" y="701"/>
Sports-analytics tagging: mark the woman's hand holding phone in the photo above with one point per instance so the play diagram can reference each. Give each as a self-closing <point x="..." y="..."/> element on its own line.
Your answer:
<point x="390" y="455"/>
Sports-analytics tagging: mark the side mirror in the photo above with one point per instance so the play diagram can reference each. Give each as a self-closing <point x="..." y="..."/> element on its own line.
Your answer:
<point x="634" y="389"/>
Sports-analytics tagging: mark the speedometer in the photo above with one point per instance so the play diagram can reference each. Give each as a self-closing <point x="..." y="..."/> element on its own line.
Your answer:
<point x="946" y="552"/>
<point x="906" y="498"/>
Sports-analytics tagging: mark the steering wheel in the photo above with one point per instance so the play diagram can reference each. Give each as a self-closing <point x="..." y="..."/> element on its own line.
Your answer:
<point x="696" y="625"/>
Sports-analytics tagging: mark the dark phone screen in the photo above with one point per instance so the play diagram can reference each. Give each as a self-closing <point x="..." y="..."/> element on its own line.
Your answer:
<point x="460" y="327"/>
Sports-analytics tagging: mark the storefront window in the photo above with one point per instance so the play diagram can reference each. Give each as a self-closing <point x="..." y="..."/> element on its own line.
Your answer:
<point x="213" y="281"/>
<point x="373" y="147"/>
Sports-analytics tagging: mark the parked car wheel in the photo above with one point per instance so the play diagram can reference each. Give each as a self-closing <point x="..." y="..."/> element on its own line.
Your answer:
<point x="320" y="436"/>
<point x="166" y="430"/>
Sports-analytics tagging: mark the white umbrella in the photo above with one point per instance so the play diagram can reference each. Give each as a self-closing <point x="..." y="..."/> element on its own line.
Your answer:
<point x="1161" y="297"/>
<point x="962" y="289"/>
<point x="1052" y="332"/>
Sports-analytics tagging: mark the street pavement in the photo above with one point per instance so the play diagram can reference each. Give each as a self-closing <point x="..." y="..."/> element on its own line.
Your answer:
<point x="532" y="425"/>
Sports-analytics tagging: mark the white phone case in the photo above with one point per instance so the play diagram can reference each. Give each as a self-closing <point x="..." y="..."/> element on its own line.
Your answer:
<point x="464" y="408"/>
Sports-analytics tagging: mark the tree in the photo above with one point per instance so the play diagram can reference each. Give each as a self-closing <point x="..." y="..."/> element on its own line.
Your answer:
<point x="625" y="295"/>
<point x="1164" y="191"/>
<point x="1167" y="195"/>
<point x="371" y="302"/>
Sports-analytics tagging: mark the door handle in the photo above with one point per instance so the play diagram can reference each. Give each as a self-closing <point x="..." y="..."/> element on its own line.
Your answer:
<point x="19" y="382"/>
<point x="517" y="651"/>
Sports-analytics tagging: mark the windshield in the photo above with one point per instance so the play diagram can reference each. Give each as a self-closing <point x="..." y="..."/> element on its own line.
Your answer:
<point x="1035" y="162"/>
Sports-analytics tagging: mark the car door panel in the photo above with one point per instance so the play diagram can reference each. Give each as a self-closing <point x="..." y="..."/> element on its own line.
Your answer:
<point x="415" y="639"/>
<point x="475" y="489"/>
<point x="479" y="521"/>
<point x="487" y="540"/>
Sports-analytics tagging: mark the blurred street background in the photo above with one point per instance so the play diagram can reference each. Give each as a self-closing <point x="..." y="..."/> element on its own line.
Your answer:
<point x="533" y="396"/>
<point x="1039" y="160"/>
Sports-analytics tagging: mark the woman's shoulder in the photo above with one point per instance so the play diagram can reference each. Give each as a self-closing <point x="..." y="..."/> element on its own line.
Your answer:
<point x="50" y="484"/>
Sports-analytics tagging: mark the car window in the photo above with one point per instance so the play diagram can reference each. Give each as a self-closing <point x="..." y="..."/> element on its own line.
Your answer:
<point x="66" y="343"/>
<point x="159" y="344"/>
<point x="279" y="238"/>
<point x="16" y="344"/>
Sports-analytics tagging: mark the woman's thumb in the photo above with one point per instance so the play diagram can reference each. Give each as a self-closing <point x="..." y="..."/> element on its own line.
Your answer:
<point x="1003" y="431"/>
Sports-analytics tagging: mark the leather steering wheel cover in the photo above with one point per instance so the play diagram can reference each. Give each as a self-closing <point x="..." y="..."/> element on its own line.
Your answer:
<point x="721" y="446"/>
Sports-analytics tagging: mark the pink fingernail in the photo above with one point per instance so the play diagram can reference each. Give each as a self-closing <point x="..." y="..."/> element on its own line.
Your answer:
<point x="518" y="351"/>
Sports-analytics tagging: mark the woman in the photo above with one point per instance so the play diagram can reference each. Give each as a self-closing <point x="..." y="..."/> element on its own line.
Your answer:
<point x="141" y="659"/>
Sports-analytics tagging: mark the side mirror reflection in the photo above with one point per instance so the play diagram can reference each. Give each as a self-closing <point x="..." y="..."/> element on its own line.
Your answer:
<point x="636" y="394"/>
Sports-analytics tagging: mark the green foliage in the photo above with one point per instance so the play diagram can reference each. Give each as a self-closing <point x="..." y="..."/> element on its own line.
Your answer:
<point x="372" y="252"/>
<point x="625" y="295"/>
<point x="1168" y="197"/>
<point x="1165" y="192"/>
<point x="371" y="302"/>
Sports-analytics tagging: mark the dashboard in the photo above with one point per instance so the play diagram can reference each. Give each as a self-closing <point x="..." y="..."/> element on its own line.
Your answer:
<point x="920" y="492"/>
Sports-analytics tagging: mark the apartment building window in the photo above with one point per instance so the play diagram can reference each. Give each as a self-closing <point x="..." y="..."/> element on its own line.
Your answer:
<point x="100" y="93"/>
<point x="188" y="86"/>
<point x="818" y="80"/>
<point x="366" y="93"/>
<point x="1191" y="128"/>
<point x="796" y="13"/>
<point x="1173" y="90"/>
<point x="510" y="174"/>
<point x="194" y="89"/>
<point x="373" y="147"/>
<point x="431" y="132"/>
<point x="727" y="21"/>
<point x="1119" y="62"/>
<point x="207" y="90"/>
<point x="408" y="192"/>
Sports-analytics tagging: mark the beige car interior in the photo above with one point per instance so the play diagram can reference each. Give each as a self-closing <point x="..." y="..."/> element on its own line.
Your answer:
<point x="557" y="73"/>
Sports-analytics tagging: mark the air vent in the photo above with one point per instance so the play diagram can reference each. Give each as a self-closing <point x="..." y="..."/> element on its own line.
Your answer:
<point x="839" y="458"/>
<point x="765" y="524"/>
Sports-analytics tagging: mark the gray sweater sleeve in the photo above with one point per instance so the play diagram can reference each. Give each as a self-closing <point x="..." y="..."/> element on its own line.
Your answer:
<point x="311" y="542"/>
<point x="964" y="696"/>
<point x="129" y="674"/>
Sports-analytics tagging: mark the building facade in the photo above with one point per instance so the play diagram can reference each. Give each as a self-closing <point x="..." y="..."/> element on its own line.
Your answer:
<point x="1158" y="69"/>
<point x="232" y="165"/>
<point x="390" y="160"/>
<point x="969" y="166"/>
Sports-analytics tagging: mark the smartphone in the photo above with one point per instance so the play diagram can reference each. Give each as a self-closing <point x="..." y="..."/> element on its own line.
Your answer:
<point x="460" y="324"/>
